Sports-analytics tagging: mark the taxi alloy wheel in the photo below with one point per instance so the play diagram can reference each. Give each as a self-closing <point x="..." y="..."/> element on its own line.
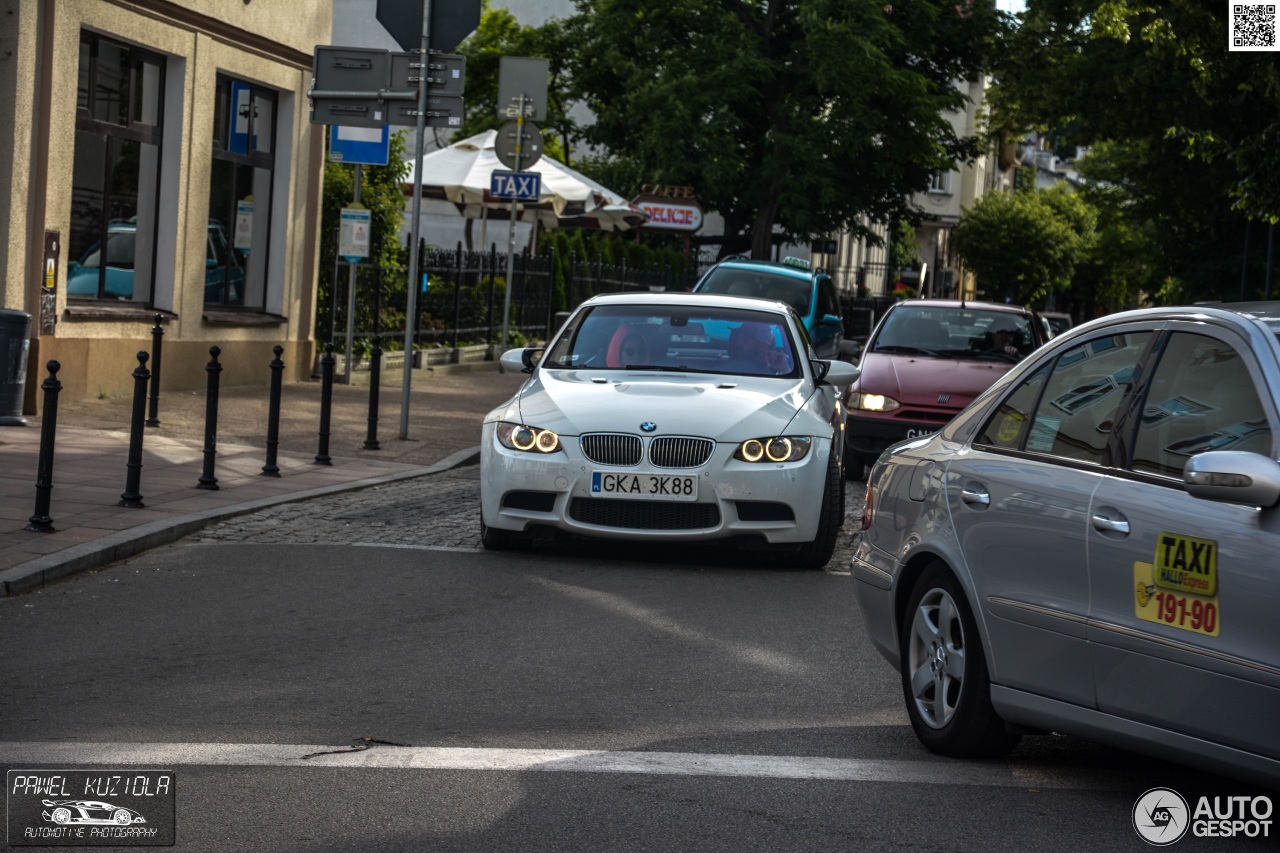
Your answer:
<point x="944" y="673"/>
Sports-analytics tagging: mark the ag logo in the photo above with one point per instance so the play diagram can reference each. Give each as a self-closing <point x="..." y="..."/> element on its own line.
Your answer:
<point x="1160" y="816"/>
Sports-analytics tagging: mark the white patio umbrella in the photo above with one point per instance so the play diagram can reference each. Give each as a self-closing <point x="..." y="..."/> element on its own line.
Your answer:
<point x="461" y="174"/>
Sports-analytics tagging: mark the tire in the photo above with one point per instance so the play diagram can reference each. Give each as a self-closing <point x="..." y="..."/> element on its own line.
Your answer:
<point x="62" y="815"/>
<point x="122" y="817"/>
<point x="945" y="680"/>
<point x="816" y="554"/>
<point x="494" y="539"/>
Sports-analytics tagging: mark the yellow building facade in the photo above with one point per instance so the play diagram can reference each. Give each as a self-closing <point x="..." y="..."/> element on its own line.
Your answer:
<point x="161" y="161"/>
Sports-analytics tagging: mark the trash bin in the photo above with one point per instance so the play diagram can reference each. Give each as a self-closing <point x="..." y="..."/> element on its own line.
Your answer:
<point x="15" y="329"/>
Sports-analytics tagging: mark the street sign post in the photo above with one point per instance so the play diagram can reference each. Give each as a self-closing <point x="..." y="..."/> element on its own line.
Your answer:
<point x="515" y="186"/>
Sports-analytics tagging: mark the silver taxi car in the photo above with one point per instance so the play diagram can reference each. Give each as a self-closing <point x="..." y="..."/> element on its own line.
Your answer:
<point x="1093" y="547"/>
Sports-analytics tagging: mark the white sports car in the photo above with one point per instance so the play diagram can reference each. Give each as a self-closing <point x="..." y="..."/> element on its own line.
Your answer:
<point x="671" y="417"/>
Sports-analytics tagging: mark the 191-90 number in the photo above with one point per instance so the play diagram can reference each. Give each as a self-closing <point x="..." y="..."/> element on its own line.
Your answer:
<point x="1197" y="615"/>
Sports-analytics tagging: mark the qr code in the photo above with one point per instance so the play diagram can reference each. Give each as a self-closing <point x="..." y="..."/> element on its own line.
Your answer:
<point x="1253" y="26"/>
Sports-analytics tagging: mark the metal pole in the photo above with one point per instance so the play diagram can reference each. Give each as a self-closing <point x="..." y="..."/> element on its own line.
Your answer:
<point x="131" y="497"/>
<point x="415" y="224"/>
<point x="157" y="338"/>
<point x="351" y="300"/>
<point x="213" y="368"/>
<point x="40" y="522"/>
<point x="326" y="403"/>
<point x="271" y="469"/>
<point x="511" y="233"/>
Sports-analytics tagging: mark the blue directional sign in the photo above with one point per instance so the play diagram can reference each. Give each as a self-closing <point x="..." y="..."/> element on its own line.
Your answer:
<point x="515" y="186"/>
<point x="369" y="146"/>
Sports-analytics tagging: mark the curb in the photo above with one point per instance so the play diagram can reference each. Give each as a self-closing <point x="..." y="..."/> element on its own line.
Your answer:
<point x="42" y="571"/>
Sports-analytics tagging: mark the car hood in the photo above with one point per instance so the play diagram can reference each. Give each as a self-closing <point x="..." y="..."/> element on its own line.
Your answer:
<point x="917" y="380"/>
<point x="573" y="402"/>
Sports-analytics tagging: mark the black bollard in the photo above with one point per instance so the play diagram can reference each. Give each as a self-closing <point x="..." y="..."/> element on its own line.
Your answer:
<point x="273" y="415"/>
<point x="326" y="403"/>
<point x="207" y="480"/>
<point x="375" y="380"/>
<point x="130" y="497"/>
<point x="157" y="338"/>
<point x="41" y="522"/>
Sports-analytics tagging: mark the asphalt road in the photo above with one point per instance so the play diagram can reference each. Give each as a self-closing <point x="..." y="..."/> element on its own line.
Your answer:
<point x="588" y="699"/>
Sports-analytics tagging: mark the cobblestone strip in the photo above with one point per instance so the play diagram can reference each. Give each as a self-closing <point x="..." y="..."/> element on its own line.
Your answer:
<point x="438" y="510"/>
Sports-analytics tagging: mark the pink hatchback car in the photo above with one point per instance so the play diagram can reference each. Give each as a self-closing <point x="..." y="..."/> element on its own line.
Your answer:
<point x="925" y="361"/>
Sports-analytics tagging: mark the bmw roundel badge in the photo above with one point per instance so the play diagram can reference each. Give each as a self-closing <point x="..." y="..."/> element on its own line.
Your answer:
<point x="648" y="426"/>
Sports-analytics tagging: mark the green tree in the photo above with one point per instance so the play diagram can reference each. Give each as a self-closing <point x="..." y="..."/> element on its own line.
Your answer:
<point x="499" y="35"/>
<point x="795" y="116"/>
<point x="1193" y="124"/>
<point x="1019" y="246"/>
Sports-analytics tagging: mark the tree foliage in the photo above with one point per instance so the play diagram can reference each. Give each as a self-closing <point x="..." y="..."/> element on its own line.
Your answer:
<point x="1022" y="246"/>
<point x="800" y="116"/>
<point x="1191" y="128"/>
<point x="499" y="35"/>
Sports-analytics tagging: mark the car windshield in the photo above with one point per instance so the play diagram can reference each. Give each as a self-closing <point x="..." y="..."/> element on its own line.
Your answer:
<point x="739" y="281"/>
<point x="954" y="332"/>
<point x="677" y="339"/>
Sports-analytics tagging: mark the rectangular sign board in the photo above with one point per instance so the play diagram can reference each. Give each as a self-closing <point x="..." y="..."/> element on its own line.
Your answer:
<point x="354" y="227"/>
<point x="90" y="808"/>
<point x="442" y="111"/>
<point x="350" y="112"/>
<point x="368" y="146"/>
<point x="527" y="76"/>
<point x="350" y="69"/>
<point x="446" y="73"/>
<point x="515" y="186"/>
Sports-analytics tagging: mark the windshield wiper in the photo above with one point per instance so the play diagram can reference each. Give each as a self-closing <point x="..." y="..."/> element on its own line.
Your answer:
<point x="666" y="368"/>
<point x="900" y="348"/>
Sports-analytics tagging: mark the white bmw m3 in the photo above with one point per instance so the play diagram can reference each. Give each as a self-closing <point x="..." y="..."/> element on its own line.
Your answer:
<point x="671" y="417"/>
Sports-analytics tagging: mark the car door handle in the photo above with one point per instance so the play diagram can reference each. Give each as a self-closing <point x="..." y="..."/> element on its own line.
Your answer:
<point x="975" y="497"/>
<point x="1112" y="525"/>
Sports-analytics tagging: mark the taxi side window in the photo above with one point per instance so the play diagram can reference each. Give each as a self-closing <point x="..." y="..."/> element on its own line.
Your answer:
<point x="1006" y="427"/>
<point x="828" y="302"/>
<point x="1201" y="398"/>
<point x="1068" y="409"/>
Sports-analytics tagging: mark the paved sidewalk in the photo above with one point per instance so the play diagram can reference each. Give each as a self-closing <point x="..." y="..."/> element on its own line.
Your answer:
<point x="92" y="448"/>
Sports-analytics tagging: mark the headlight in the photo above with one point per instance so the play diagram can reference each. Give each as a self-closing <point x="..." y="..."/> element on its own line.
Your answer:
<point x="780" y="448"/>
<point x="527" y="438"/>
<point x="872" y="402"/>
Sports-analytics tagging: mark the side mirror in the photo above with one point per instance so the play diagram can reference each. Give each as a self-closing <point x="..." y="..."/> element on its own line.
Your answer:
<point x="1233" y="476"/>
<point x="838" y="373"/>
<point x="830" y="320"/>
<point x="520" y="360"/>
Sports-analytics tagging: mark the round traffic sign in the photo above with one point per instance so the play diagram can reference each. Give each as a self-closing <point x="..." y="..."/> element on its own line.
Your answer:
<point x="530" y="142"/>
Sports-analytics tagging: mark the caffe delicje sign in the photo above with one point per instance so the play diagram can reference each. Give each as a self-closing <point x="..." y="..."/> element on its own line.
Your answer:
<point x="670" y="208"/>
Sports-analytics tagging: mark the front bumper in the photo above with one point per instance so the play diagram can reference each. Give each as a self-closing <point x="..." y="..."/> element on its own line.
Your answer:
<point x="867" y="437"/>
<point x="778" y="503"/>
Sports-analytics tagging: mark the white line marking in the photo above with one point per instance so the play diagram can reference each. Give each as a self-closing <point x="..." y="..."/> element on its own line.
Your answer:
<point x="942" y="772"/>
<point x="757" y="655"/>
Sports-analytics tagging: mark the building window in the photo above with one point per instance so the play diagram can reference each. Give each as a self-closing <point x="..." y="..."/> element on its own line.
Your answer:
<point x="941" y="183"/>
<point x="240" y="195"/>
<point x="115" y="184"/>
